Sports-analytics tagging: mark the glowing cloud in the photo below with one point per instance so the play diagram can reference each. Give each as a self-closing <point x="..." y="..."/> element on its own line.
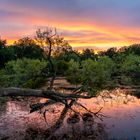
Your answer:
<point x="84" y="23"/>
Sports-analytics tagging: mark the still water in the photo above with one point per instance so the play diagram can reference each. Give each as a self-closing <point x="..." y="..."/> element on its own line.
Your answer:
<point x="120" y="121"/>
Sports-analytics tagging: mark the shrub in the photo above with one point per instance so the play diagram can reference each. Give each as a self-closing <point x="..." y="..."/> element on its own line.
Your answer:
<point x="93" y="75"/>
<point x="21" y="71"/>
<point x="62" y="67"/>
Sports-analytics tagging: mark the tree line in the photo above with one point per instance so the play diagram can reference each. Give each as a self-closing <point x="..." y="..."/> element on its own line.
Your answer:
<point x="26" y="63"/>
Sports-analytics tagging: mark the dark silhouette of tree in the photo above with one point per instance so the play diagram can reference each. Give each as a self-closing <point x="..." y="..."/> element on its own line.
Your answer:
<point x="111" y="53"/>
<point x="2" y="43"/>
<point x="88" y="54"/>
<point x="2" y="52"/>
<point x="27" y="47"/>
<point x="46" y="40"/>
<point x="53" y="45"/>
<point x="132" y="49"/>
<point x="68" y="55"/>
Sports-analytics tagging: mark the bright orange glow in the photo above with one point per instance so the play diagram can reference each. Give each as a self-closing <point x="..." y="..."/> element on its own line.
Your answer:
<point x="84" y="36"/>
<point x="10" y="42"/>
<point x="80" y="34"/>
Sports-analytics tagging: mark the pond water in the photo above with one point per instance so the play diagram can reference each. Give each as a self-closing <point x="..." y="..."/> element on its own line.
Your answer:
<point x="120" y="120"/>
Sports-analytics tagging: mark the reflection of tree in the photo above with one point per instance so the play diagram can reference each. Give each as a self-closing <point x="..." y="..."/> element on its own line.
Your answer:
<point x="89" y="128"/>
<point x="59" y="122"/>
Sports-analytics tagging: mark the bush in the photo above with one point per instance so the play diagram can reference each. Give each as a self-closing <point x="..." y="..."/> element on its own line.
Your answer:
<point x="97" y="74"/>
<point x="34" y="83"/>
<point x="130" y="68"/>
<point x="73" y="72"/>
<point x="93" y="75"/>
<point x="62" y="67"/>
<point x="22" y="72"/>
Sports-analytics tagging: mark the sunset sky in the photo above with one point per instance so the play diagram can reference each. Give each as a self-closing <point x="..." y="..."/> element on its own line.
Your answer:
<point x="97" y="24"/>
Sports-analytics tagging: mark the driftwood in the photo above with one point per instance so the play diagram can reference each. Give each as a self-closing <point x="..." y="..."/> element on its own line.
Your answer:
<point x="40" y="93"/>
<point x="53" y="96"/>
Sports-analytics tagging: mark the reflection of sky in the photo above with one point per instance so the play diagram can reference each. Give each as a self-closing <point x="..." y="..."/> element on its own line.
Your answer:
<point x="122" y="114"/>
<point x="85" y="23"/>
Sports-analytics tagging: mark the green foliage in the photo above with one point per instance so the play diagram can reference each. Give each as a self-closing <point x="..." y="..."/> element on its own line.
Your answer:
<point x="132" y="49"/>
<point x="27" y="47"/>
<point x="93" y="75"/>
<point x="34" y="83"/>
<point x="2" y="52"/>
<point x="131" y="64"/>
<point x="131" y="68"/>
<point x="96" y="75"/>
<point x="111" y="53"/>
<point x="2" y="43"/>
<point x="88" y="54"/>
<point x="74" y="72"/>
<point x="19" y="73"/>
<point x="24" y="47"/>
<point x="62" y="67"/>
<point x="69" y="55"/>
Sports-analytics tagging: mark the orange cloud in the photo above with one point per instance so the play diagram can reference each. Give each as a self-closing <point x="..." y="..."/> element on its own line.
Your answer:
<point x="80" y="32"/>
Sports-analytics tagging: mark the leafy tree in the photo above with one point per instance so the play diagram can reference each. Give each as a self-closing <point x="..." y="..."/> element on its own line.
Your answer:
<point x="111" y="53"/>
<point x="93" y="75"/>
<point x="27" y="47"/>
<point x="73" y="73"/>
<point x="60" y="46"/>
<point x="130" y="69"/>
<point x="2" y="52"/>
<point x="62" y="67"/>
<point x="7" y="53"/>
<point x="49" y="40"/>
<point x="88" y="54"/>
<point x="132" y="49"/>
<point x="22" y="72"/>
<point x="2" y="44"/>
<point x="97" y="75"/>
<point x="67" y="56"/>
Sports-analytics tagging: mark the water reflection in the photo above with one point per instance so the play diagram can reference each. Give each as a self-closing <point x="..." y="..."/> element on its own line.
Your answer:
<point x="122" y="121"/>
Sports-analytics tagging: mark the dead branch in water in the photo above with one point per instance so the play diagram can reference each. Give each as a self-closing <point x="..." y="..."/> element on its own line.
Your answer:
<point x="41" y="93"/>
<point x="54" y="97"/>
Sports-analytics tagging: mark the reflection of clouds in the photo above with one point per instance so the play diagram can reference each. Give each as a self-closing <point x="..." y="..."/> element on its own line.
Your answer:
<point x="121" y="110"/>
<point x="13" y="108"/>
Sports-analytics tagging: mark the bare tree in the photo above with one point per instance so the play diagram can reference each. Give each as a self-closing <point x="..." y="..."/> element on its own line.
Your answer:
<point x="51" y="42"/>
<point x="46" y="40"/>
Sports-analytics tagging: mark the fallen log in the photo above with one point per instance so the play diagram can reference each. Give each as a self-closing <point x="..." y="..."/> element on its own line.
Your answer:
<point x="54" y="97"/>
<point x="39" y="93"/>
